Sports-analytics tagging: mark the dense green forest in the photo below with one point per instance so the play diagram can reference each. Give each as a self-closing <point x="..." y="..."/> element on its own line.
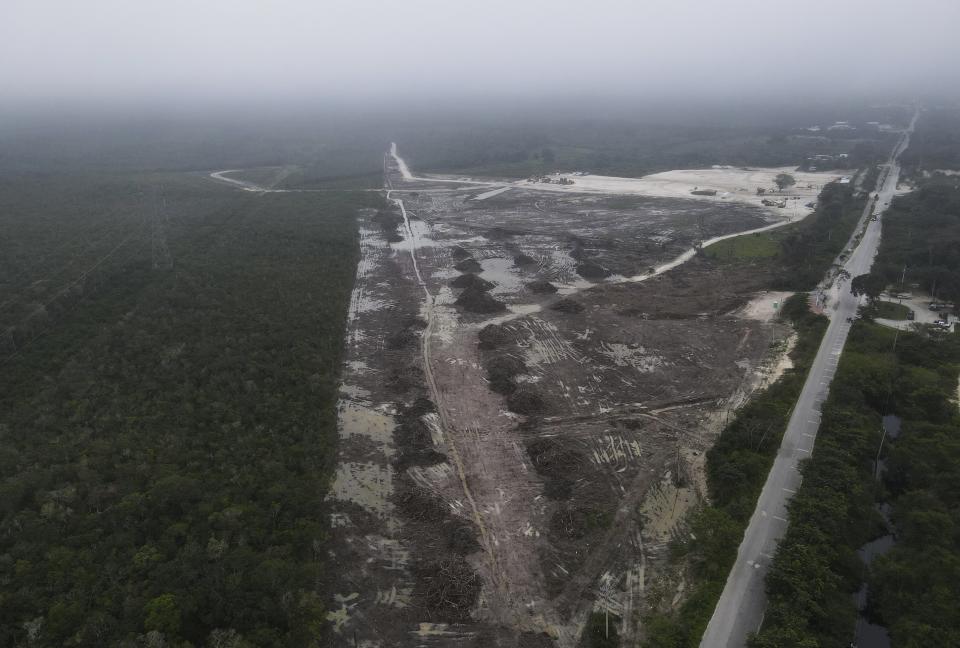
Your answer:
<point x="816" y="569"/>
<point x="629" y="148"/>
<point x="342" y="147"/>
<point x="935" y="143"/>
<point x="167" y="434"/>
<point x="921" y="240"/>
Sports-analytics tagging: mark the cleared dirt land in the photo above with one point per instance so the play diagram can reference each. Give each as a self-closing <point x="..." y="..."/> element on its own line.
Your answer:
<point x="527" y="398"/>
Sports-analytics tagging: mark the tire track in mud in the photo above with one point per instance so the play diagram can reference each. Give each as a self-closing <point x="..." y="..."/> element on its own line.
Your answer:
<point x="435" y="395"/>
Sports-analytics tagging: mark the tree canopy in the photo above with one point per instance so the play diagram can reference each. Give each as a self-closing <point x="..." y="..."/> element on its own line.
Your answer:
<point x="784" y="180"/>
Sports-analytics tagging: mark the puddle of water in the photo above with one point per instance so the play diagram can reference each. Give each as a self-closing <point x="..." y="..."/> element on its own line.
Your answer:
<point x="891" y="425"/>
<point x="869" y="635"/>
<point x="875" y="548"/>
<point x="503" y="274"/>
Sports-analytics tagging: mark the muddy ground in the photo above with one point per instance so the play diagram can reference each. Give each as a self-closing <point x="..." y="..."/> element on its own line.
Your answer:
<point x="525" y="409"/>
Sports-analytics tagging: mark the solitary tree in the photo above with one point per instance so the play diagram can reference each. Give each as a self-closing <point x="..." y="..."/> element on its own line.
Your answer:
<point x="784" y="180"/>
<point x="870" y="285"/>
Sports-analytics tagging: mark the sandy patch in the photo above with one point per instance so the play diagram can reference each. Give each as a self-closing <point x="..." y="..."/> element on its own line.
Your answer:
<point x="731" y="184"/>
<point x="492" y="193"/>
<point x="764" y="307"/>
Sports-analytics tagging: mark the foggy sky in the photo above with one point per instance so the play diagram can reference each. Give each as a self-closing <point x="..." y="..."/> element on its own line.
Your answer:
<point x="57" y="50"/>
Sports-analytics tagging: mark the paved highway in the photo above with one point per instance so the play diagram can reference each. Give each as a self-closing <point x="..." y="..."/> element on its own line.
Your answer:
<point x="739" y="611"/>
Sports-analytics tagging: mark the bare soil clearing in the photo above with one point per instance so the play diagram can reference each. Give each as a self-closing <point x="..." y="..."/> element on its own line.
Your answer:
<point x="500" y="477"/>
<point x="731" y="184"/>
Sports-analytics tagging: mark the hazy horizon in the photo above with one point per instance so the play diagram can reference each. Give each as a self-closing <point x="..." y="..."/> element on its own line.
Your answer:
<point x="109" y="52"/>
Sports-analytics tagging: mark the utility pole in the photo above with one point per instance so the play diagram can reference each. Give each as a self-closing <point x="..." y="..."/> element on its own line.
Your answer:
<point x="876" y="462"/>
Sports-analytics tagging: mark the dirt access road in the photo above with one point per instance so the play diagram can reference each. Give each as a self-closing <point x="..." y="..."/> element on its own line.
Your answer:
<point x="739" y="611"/>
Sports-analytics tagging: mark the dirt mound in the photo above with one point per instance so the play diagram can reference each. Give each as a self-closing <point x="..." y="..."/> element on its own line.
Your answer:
<point x="556" y="463"/>
<point x="402" y="339"/>
<point x="523" y="259"/>
<point x="458" y="252"/>
<point x="576" y="249"/>
<point x="502" y="370"/>
<point x="478" y="301"/>
<point x="412" y="436"/>
<point x="422" y="508"/>
<point x="541" y="287"/>
<point x="448" y="589"/>
<point x="403" y="378"/>
<point x="416" y="503"/>
<point x="493" y="335"/>
<point x="578" y="521"/>
<point x="591" y="270"/>
<point x="526" y="401"/>
<point x="408" y="336"/>
<point x="469" y="265"/>
<point x="389" y="220"/>
<point x="567" y="306"/>
<point x="470" y="280"/>
<point x="535" y="640"/>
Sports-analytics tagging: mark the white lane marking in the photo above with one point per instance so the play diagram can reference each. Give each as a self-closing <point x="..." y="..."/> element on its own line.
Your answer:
<point x="789" y="490"/>
<point x="803" y="450"/>
<point x="776" y="517"/>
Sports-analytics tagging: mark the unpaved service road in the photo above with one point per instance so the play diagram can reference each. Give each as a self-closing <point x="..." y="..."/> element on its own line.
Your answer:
<point x="533" y="377"/>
